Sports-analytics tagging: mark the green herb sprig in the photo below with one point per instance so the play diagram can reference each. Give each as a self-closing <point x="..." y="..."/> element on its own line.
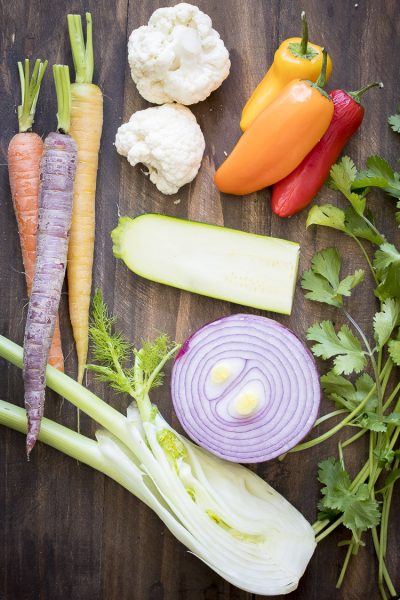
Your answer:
<point x="368" y="402"/>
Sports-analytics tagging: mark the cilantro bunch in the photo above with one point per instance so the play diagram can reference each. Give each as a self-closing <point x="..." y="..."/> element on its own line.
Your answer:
<point x="363" y="380"/>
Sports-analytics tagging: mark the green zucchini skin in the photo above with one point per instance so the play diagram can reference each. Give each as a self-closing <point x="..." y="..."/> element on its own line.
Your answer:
<point x="227" y="264"/>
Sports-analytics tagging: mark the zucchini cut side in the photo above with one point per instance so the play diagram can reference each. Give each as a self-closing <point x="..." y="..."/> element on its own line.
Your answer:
<point x="227" y="264"/>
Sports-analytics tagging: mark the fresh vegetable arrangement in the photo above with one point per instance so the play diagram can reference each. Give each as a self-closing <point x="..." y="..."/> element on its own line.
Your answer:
<point x="296" y="58"/>
<point x="233" y="384"/>
<point x="225" y="514"/>
<point x="244" y="387"/>
<point x="57" y="172"/>
<point x="24" y="155"/>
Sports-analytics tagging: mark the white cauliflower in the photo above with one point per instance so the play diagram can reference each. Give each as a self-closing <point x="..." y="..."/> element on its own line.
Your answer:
<point x="167" y="140"/>
<point x="178" y="56"/>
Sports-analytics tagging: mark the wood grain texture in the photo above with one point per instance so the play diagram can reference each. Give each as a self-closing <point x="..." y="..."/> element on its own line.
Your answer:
<point x="67" y="532"/>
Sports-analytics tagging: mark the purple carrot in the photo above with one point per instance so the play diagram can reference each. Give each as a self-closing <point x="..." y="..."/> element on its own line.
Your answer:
<point x="55" y="211"/>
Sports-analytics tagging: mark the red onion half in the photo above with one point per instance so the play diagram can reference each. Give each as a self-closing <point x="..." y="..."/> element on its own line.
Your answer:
<point x="245" y="388"/>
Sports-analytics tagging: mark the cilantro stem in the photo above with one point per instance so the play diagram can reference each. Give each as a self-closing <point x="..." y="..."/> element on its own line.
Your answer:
<point x="320" y="525"/>
<point x="337" y="427"/>
<point x="392" y="397"/>
<point x="371" y="356"/>
<point x="330" y="415"/>
<point x="385" y="572"/>
<point x="362" y="247"/>
<point x="345" y="565"/>
<point x="329" y="530"/>
<point x="354" y="438"/>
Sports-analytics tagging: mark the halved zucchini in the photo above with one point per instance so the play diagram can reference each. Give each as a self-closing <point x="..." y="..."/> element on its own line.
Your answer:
<point x="244" y="268"/>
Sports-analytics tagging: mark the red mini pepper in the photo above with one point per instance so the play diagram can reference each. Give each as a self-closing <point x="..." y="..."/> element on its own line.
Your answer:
<point x="293" y="193"/>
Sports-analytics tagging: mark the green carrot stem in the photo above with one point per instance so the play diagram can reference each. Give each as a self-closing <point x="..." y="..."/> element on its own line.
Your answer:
<point x="63" y="91"/>
<point x="82" y="54"/>
<point x="30" y="87"/>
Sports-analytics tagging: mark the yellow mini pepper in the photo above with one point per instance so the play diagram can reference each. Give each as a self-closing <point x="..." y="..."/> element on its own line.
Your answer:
<point x="295" y="58"/>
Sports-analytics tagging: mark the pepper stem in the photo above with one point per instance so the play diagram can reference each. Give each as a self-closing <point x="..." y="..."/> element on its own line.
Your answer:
<point x="63" y="91"/>
<point x="357" y="95"/>
<point x="82" y="54"/>
<point x="304" y="37"/>
<point x="30" y="87"/>
<point x="322" y="76"/>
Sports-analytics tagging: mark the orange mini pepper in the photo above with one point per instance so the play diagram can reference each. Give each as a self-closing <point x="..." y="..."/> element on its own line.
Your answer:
<point x="296" y="58"/>
<point x="279" y="139"/>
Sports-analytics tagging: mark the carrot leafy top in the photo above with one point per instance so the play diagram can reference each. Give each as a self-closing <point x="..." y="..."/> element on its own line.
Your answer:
<point x="30" y="86"/>
<point x="82" y="53"/>
<point x="63" y="91"/>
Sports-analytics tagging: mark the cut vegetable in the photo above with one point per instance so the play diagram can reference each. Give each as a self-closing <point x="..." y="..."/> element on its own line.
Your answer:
<point x="244" y="268"/>
<point x="245" y="388"/>
<point x="224" y="513"/>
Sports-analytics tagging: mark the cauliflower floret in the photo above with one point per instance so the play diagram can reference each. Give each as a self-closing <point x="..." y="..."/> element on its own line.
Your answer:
<point x="178" y="56"/>
<point x="167" y="140"/>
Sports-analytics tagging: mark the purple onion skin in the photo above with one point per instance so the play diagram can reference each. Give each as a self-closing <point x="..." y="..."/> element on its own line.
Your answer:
<point x="55" y="212"/>
<point x="208" y="434"/>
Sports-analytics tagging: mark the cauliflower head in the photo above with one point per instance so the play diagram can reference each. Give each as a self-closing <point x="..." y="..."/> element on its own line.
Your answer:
<point x="178" y="56"/>
<point x="167" y="140"/>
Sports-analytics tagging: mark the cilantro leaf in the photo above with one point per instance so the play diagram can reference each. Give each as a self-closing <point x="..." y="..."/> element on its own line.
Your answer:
<point x="384" y="257"/>
<point x="357" y="226"/>
<point x="360" y="510"/>
<point x="386" y="320"/>
<point x="342" y="176"/>
<point x="345" y="394"/>
<point x="384" y="456"/>
<point x="387" y="266"/>
<point x="328" y="216"/>
<point x="394" y="122"/>
<point x="391" y="478"/>
<point x="322" y="280"/>
<point x="376" y="422"/>
<point x="347" y="221"/>
<point x="344" y="346"/>
<point x="378" y="174"/>
<point x="390" y="286"/>
<point x="394" y="351"/>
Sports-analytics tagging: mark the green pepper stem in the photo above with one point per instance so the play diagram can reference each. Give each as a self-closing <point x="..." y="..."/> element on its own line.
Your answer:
<point x="30" y="87"/>
<point x="322" y="76"/>
<point x="357" y="95"/>
<point x="63" y="91"/>
<point x="82" y="54"/>
<point x="304" y="37"/>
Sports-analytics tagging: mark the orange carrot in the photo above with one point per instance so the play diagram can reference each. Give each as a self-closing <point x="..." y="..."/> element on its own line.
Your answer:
<point x="24" y="155"/>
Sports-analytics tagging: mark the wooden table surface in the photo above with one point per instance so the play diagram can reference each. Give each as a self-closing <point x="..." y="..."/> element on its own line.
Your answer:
<point x="67" y="532"/>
